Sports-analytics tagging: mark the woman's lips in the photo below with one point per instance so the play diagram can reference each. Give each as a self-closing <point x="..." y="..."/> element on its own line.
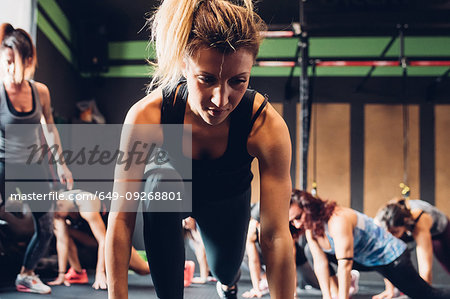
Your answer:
<point x="216" y="112"/>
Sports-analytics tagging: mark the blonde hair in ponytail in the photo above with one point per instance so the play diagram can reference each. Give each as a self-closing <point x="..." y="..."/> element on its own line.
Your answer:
<point x="180" y="28"/>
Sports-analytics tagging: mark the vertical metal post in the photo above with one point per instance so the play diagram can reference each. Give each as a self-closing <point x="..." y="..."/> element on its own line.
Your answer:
<point x="304" y="119"/>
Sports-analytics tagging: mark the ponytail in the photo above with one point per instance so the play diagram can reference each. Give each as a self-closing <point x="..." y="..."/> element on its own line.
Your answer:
<point x="5" y="30"/>
<point x="171" y="27"/>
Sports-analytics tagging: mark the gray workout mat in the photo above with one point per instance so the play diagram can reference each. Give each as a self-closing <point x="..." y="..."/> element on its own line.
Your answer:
<point x="142" y="287"/>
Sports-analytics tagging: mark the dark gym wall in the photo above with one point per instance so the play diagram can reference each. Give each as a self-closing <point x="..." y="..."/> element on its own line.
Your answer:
<point x="114" y="96"/>
<point x="59" y="75"/>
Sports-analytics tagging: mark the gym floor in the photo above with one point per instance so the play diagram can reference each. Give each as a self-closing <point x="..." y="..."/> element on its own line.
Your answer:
<point x="141" y="287"/>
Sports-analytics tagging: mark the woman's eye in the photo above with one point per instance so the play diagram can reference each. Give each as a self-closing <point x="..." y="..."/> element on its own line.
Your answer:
<point x="238" y="81"/>
<point x="206" y="79"/>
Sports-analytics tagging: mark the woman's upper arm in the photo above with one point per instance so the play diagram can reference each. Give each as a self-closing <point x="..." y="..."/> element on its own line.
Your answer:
<point x="139" y="129"/>
<point x="421" y="233"/>
<point x="341" y="230"/>
<point x="44" y="96"/>
<point x="270" y="143"/>
<point x="96" y="224"/>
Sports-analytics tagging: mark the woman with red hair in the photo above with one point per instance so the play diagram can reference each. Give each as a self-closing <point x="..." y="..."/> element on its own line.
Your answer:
<point x="351" y="239"/>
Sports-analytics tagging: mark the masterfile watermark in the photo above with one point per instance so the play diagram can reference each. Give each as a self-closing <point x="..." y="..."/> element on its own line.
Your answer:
<point x="148" y="154"/>
<point x="121" y="166"/>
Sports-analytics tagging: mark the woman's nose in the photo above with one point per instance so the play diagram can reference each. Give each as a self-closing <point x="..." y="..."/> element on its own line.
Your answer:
<point x="220" y="96"/>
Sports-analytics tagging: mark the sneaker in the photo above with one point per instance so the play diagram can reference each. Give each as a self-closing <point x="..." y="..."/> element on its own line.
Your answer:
<point x="230" y="294"/>
<point x="31" y="284"/>
<point x="73" y="276"/>
<point x="354" y="284"/>
<point x="189" y="269"/>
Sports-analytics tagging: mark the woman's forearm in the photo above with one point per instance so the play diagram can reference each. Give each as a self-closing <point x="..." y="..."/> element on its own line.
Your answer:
<point x="323" y="277"/>
<point x="254" y="264"/>
<point x="62" y="249"/>
<point x="101" y="257"/>
<point x="277" y="251"/>
<point x="344" y="278"/>
<point x="117" y="256"/>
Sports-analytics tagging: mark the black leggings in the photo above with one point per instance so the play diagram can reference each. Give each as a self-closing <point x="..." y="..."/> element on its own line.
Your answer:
<point x="401" y="273"/>
<point x="43" y="232"/>
<point x="404" y="276"/>
<point x="43" y="221"/>
<point x="223" y="226"/>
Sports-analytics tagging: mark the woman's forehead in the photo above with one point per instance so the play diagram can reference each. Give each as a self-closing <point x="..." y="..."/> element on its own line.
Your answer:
<point x="211" y="61"/>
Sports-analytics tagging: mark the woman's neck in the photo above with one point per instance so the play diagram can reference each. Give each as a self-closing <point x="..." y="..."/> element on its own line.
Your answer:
<point x="15" y="87"/>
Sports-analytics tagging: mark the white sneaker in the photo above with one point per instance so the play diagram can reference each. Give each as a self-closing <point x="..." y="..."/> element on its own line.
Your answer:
<point x="31" y="284"/>
<point x="354" y="285"/>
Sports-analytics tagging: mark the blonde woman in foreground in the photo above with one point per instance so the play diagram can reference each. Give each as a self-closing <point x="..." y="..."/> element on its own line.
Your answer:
<point x="205" y="52"/>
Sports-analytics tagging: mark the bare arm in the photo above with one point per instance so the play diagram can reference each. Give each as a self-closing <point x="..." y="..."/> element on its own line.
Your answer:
<point x="118" y="252"/>
<point x="62" y="249"/>
<point x="320" y="265"/>
<point x="270" y="143"/>
<point x="199" y="250"/>
<point x="52" y="136"/>
<point x="122" y="217"/>
<point x="98" y="228"/>
<point x="200" y="254"/>
<point x="424" y="248"/>
<point x="254" y="263"/>
<point x="341" y="229"/>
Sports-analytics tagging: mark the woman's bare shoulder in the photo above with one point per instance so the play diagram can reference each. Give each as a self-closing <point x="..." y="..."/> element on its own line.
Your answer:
<point x="147" y="110"/>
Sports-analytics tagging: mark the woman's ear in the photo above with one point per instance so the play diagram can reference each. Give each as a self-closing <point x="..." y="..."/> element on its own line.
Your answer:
<point x="184" y="67"/>
<point x="27" y="62"/>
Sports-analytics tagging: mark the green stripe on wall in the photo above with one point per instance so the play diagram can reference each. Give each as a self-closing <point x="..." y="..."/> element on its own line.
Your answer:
<point x="54" y="37"/>
<point x="57" y="16"/>
<point x="129" y="71"/>
<point x="131" y="50"/>
<point x="352" y="47"/>
<point x="347" y="47"/>
<point x="144" y="71"/>
<point x="278" y="47"/>
<point x="432" y="46"/>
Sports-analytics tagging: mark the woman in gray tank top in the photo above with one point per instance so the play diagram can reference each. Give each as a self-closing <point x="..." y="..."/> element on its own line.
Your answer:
<point x="24" y="102"/>
<point x="419" y="221"/>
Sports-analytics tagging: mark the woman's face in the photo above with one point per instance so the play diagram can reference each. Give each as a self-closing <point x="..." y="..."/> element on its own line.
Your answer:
<point x="296" y="216"/>
<point x="7" y="64"/>
<point x="216" y="82"/>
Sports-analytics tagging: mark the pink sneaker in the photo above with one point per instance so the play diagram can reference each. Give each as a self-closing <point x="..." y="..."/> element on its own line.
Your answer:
<point x="73" y="276"/>
<point x="189" y="269"/>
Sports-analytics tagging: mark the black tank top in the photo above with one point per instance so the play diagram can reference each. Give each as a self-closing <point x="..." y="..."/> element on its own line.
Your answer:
<point x="408" y="237"/>
<point x="230" y="174"/>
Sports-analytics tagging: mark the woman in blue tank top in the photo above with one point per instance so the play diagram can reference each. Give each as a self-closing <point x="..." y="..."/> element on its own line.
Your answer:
<point x="353" y="240"/>
<point x="419" y="221"/>
<point x="24" y="102"/>
<point x="212" y="45"/>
